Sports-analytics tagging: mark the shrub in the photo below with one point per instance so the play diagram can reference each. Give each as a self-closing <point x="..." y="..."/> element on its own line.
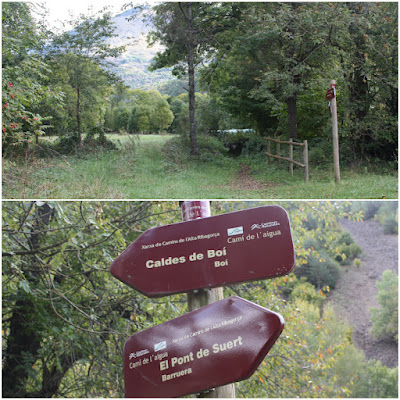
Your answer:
<point x="385" y="319"/>
<point x="311" y="242"/>
<point x="256" y="144"/>
<point x="306" y="291"/>
<point x="321" y="271"/>
<point x="318" y="151"/>
<point x="369" y="208"/>
<point x="210" y="146"/>
<point x="177" y="151"/>
<point x="234" y="142"/>
<point x="357" y="262"/>
<point x="346" y="248"/>
<point x="311" y="223"/>
<point x="376" y="381"/>
<point x="344" y="238"/>
<point x="390" y="226"/>
<point x="68" y="144"/>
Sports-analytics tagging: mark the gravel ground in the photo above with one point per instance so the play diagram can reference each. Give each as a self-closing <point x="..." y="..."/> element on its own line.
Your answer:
<point x="356" y="289"/>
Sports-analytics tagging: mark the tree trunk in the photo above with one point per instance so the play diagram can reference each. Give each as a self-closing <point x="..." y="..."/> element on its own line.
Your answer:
<point x="78" y="114"/>
<point x="192" y="101"/>
<point x="292" y="115"/>
<point x="22" y="348"/>
<point x="23" y="342"/>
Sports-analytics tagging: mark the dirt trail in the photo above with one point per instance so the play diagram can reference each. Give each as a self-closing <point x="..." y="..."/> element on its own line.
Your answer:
<point x="356" y="290"/>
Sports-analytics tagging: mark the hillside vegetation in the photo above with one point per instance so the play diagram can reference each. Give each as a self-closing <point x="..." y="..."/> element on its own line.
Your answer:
<point x="67" y="318"/>
<point x="256" y="70"/>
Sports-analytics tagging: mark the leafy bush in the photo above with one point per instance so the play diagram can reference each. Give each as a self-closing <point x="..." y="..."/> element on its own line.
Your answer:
<point x="320" y="271"/>
<point x="177" y="151"/>
<point x="91" y="143"/>
<point x="346" y="248"/>
<point x="235" y="142"/>
<point x="357" y="262"/>
<point x="344" y="238"/>
<point x="210" y="146"/>
<point x="369" y="208"/>
<point x="390" y="226"/>
<point x="68" y="144"/>
<point x="256" y="144"/>
<point x="306" y="291"/>
<point x="311" y="242"/>
<point x="311" y="223"/>
<point x="320" y="151"/>
<point x="385" y="319"/>
<point x="376" y="381"/>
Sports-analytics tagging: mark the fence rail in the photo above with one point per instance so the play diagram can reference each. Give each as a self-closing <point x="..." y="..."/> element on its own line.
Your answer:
<point x="290" y="158"/>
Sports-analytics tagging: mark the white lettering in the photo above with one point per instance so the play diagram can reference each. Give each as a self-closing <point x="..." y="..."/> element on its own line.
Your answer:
<point x="235" y="239"/>
<point x="216" y="253"/>
<point x="165" y="262"/>
<point x="176" y="374"/>
<point x="135" y="364"/>
<point x="182" y="360"/>
<point x="228" y="345"/>
<point x="218" y="264"/>
<point x="164" y="365"/>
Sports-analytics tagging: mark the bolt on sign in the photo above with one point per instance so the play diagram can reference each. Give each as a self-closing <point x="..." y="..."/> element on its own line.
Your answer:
<point x="235" y="247"/>
<point x="218" y="344"/>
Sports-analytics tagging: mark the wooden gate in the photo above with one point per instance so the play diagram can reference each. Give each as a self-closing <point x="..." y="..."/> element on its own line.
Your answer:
<point x="290" y="159"/>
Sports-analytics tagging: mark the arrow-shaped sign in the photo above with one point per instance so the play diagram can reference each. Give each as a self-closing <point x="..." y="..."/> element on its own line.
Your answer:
<point x="229" y="248"/>
<point x="215" y="345"/>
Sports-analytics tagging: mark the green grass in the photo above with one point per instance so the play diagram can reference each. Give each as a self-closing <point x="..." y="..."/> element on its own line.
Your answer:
<point x="143" y="171"/>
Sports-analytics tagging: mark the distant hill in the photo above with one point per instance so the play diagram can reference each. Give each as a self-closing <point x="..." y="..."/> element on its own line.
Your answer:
<point x="132" y="65"/>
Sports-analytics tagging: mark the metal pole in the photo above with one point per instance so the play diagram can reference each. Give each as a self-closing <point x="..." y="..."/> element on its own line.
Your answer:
<point x="335" y="134"/>
<point x="199" y="298"/>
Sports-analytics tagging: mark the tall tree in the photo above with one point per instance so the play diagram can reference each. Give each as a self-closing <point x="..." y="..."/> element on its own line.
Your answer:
<point x="279" y="47"/>
<point x="372" y="73"/>
<point x="27" y="95"/>
<point x="82" y="54"/>
<point x="189" y="31"/>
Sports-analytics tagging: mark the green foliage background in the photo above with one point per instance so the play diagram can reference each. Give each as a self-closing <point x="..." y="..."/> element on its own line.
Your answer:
<point x="260" y="66"/>
<point x="65" y="318"/>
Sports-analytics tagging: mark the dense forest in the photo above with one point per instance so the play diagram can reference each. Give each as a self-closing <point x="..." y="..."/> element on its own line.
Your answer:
<point x="261" y="66"/>
<point x="66" y="319"/>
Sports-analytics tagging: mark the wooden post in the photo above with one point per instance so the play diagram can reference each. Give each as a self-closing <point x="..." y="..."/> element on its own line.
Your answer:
<point x="305" y="154"/>
<point x="199" y="298"/>
<point x="335" y="134"/>
<point x="278" y="151"/>
<point x="291" y="156"/>
<point x="269" y="151"/>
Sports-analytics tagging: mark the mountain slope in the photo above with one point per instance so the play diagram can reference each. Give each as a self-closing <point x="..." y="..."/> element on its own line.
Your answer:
<point x="132" y="28"/>
<point x="356" y="290"/>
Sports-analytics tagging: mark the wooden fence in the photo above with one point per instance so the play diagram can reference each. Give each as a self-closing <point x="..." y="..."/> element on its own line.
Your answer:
<point x="290" y="158"/>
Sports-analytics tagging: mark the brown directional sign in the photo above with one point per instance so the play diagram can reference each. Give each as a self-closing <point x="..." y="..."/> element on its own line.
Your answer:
<point x="234" y="247"/>
<point x="215" y="345"/>
<point x="330" y="94"/>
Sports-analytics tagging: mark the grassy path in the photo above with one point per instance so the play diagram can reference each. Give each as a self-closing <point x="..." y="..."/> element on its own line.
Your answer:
<point x="141" y="170"/>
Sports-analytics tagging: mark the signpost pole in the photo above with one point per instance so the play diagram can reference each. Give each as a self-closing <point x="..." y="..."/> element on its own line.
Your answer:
<point x="199" y="298"/>
<point x="335" y="134"/>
